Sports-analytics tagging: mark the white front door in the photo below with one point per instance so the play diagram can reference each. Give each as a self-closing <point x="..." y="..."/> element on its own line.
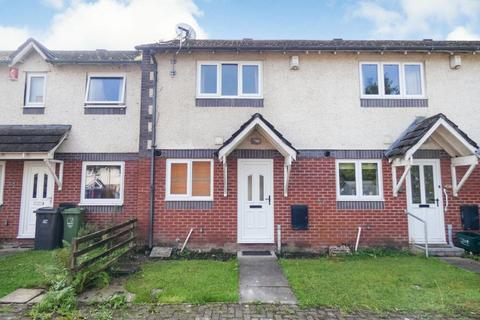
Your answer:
<point x="424" y="196"/>
<point x="255" y="201"/>
<point x="37" y="192"/>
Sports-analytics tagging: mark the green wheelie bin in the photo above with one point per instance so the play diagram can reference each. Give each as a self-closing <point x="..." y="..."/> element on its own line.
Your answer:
<point x="73" y="220"/>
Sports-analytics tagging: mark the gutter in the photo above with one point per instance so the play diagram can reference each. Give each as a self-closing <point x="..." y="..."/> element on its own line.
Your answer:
<point x="152" y="155"/>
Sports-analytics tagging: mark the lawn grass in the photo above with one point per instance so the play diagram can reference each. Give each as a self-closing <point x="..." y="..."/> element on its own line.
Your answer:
<point x="403" y="283"/>
<point x="19" y="270"/>
<point x="186" y="281"/>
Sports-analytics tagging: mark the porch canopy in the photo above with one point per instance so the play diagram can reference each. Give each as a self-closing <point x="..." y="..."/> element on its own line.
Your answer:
<point x="274" y="137"/>
<point x="437" y="132"/>
<point x="34" y="142"/>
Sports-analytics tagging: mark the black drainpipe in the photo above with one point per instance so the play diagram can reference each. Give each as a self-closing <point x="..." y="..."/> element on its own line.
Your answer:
<point x="152" y="153"/>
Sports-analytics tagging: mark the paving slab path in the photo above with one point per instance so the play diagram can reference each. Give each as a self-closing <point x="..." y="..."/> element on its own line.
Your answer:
<point x="262" y="280"/>
<point x="463" y="263"/>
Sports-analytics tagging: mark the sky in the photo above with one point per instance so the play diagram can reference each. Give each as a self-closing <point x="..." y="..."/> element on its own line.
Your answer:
<point x="122" y="24"/>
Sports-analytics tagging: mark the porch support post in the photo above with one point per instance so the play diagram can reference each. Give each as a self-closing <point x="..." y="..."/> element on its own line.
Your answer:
<point x="286" y="174"/>
<point x="407" y="163"/>
<point x="225" y="178"/>
<point x="471" y="161"/>
<point x="52" y="169"/>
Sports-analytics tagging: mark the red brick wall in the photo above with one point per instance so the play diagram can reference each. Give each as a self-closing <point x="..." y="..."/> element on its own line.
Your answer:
<point x="12" y="194"/>
<point x="312" y="182"/>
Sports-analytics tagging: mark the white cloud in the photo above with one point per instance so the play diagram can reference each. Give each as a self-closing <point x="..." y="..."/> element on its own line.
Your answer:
<point x="462" y="33"/>
<point x="56" y="4"/>
<point x="415" y="19"/>
<point x="12" y="37"/>
<point x="119" y="24"/>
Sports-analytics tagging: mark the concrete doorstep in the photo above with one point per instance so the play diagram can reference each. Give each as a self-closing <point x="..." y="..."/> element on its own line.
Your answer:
<point x="262" y="281"/>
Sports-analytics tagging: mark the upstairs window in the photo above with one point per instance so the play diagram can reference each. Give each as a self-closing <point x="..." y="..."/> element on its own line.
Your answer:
<point x="35" y="91"/>
<point x="105" y="89"/>
<point x="359" y="180"/>
<point x="229" y="79"/>
<point x="189" y="179"/>
<point x="391" y="80"/>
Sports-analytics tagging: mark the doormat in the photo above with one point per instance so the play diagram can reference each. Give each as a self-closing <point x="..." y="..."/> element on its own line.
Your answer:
<point x="256" y="253"/>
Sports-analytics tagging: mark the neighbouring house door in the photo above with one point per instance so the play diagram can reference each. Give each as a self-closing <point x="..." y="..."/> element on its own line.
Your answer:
<point x="424" y="196"/>
<point x="255" y="201"/>
<point x="37" y="192"/>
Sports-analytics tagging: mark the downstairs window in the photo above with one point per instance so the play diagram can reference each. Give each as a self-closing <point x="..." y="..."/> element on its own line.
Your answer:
<point x="359" y="180"/>
<point x="102" y="183"/>
<point x="189" y="179"/>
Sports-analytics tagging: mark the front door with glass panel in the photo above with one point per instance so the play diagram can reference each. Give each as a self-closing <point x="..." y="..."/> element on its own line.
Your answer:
<point x="424" y="196"/>
<point x="37" y="192"/>
<point x="255" y="201"/>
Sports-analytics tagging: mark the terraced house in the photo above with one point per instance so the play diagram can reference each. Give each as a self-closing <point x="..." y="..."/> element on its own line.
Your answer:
<point x="68" y="134"/>
<point x="247" y="141"/>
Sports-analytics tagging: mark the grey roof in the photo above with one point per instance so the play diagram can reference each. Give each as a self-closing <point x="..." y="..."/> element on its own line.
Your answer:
<point x="99" y="56"/>
<point x="417" y="131"/>
<point x="427" y="45"/>
<point x="31" y="138"/>
<point x="243" y="126"/>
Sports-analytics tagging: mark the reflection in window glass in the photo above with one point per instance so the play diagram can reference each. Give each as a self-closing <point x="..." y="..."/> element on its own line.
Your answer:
<point x="261" y="187"/>
<point x="102" y="182"/>
<point x="370" y="79"/>
<point x="45" y="185"/>
<point x="413" y="79"/>
<point x="249" y="187"/>
<point x="347" y="179"/>
<point x="370" y="179"/>
<point x="35" y="184"/>
<point x="37" y="87"/>
<point x="250" y="79"/>
<point x="229" y="79"/>
<point x="415" y="184"/>
<point x="391" y="79"/>
<point x="105" y="89"/>
<point x="208" y="79"/>
<point x="201" y="178"/>
<point x="429" y="184"/>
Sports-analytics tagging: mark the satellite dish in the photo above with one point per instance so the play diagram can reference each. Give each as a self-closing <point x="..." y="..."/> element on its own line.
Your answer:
<point x="185" y="31"/>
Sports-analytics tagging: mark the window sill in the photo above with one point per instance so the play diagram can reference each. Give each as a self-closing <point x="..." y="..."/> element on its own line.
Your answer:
<point x="229" y="102"/>
<point x="33" y="110"/>
<point x="106" y="204"/>
<point x="383" y="102"/>
<point x="94" y="109"/>
<point x="174" y="199"/>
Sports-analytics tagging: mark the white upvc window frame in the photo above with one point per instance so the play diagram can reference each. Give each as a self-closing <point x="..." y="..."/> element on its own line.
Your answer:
<point x="188" y="196"/>
<point x="381" y="84"/>
<point x="240" y="93"/>
<point x="358" y="180"/>
<point x="102" y="202"/>
<point x="2" y="180"/>
<point x="106" y="103"/>
<point x="29" y="76"/>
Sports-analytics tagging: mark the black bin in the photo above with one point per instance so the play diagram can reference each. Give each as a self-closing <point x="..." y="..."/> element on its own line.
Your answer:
<point x="469" y="214"/>
<point x="49" y="228"/>
<point x="299" y="217"/>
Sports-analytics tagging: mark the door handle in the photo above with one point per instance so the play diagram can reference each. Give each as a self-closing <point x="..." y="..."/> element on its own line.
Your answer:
<point x="269" y="200"/>
<point x="436" y="200"/>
